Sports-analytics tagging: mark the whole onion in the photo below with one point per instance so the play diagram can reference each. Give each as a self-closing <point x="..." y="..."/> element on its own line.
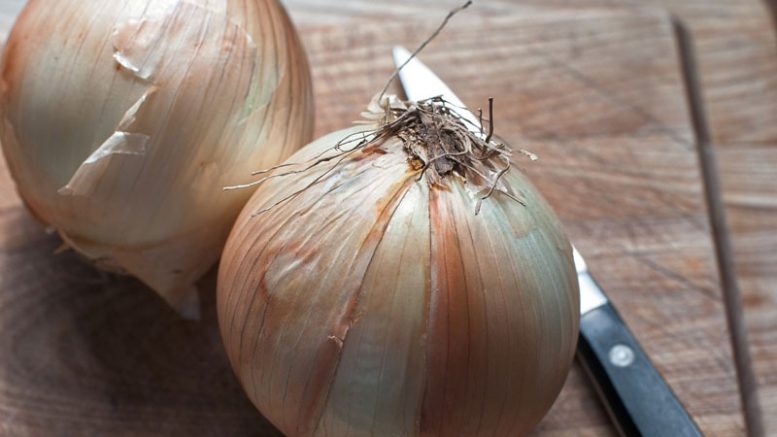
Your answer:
<point x="399" y="278"/>
<point x="123" y="121"/>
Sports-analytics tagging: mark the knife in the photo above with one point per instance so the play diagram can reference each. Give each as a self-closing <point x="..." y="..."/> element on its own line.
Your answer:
<point x="636" y="397"/>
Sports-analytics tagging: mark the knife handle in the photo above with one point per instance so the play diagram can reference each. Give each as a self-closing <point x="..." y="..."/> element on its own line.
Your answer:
<point x="637" y="398"/>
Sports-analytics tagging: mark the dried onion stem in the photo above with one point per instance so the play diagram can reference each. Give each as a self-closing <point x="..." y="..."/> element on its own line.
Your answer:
<point x="438" y="141"/>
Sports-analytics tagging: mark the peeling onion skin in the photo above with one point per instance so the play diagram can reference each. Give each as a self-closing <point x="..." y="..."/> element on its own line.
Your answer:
<point x="123" y="121"/>
<point x="373" y="304"/>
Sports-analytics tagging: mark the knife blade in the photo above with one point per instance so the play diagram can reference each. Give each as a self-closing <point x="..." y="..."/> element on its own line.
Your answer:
<point x="636" y="397"/>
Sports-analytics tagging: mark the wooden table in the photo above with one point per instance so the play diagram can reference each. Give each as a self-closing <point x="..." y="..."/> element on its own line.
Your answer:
<point x="597" y="92"/>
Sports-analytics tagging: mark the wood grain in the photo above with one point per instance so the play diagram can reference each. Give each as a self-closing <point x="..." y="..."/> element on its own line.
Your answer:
<point x="748" y="174"/>
<point x="735" y="43"/>
<point x="736" y="47"/>
<point x="736" y="50"/>
<point x="596" y="93"/>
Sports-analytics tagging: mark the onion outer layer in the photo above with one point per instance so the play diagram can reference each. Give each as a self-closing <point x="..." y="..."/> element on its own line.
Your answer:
<point x="123" y="121"/>
<point x="375" y="304"/>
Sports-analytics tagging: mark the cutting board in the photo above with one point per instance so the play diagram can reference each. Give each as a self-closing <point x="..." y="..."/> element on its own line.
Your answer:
<point x="597" y="94"/>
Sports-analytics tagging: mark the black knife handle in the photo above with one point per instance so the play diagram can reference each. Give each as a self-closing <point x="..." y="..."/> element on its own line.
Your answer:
<point x="637" y="398"/>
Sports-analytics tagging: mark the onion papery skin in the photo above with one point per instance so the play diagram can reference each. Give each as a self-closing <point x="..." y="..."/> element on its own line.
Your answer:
<point x="374" y="304"/>
<point x="123" y="121"/>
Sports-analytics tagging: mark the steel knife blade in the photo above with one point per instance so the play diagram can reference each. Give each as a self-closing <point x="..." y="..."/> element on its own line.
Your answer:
<point x="636" y="397"/>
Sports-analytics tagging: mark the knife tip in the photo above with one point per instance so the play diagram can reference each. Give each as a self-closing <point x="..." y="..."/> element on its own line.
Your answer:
<point x="400" y="54"/>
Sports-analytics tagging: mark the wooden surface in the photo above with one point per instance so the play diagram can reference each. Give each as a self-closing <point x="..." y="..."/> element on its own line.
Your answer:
<point x="596" y="93"/>
<point x="736" y="46"/>
<point x="737" y="52"/>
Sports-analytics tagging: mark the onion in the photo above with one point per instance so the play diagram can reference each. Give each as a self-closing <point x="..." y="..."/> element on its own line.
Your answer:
<point x="123" y="121"/>
<point x="399" y="278"/>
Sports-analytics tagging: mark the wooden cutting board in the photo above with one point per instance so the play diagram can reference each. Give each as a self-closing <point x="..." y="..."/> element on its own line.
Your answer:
<point x="597" y="94"/>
